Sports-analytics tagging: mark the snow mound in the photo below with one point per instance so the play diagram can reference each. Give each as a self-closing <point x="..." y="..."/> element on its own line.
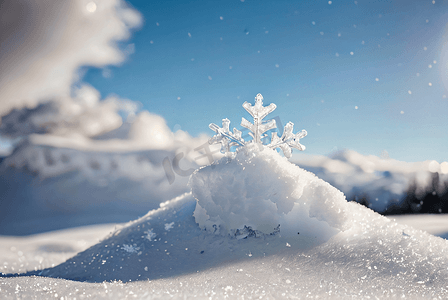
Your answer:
<point x="262" y="190"/>
<point x="325" y="246"/>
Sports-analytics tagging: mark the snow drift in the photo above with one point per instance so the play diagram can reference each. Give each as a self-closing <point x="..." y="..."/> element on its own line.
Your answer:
<point x="362" y="255"/>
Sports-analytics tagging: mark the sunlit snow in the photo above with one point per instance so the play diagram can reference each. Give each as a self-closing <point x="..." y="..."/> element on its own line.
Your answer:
<point x="324" y="247"/>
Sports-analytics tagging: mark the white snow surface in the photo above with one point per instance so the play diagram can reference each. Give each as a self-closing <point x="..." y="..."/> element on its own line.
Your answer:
<point x="357" y="253"/>
<point x="45" y="188"/>
<point x="381" y="180"/>
<point x="261" y="189"/>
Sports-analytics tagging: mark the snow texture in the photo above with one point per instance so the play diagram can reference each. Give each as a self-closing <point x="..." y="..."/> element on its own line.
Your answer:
<point x="237" y="192"/>
<point x="324" y="247"/>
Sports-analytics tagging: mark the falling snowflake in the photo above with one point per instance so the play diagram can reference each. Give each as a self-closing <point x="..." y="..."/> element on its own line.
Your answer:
<point x="228" y="138"/>
<point x="150" y="235"/>
<point x="130" y="248"/>
<point x="169" y="226"/>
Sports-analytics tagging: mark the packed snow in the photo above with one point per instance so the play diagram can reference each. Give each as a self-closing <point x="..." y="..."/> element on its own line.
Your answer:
<point x="324" y="247"/>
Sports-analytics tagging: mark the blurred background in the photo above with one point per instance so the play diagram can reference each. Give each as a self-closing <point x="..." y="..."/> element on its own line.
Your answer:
<point x="105" y="105"/>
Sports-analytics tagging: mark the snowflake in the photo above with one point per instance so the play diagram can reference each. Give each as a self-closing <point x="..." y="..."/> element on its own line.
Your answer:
<point x="169" y="226"/>
<point x="130" y="248"/>
<point x="286" y="142"/>
<point x="150" y="234"/>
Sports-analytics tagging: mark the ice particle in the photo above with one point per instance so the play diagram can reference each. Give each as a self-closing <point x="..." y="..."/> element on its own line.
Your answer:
<point x="150" y="234"/>
<point x="130" y="248"/>
<point x="169" y="226"/>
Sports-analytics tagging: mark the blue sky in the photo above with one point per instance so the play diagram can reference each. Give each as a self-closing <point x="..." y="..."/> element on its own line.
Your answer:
<point x="363" y="75"/>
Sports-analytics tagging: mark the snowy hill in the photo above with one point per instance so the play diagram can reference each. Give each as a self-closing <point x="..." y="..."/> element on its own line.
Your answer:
<point x="324" y="247"/>
<point x="383" y="184"/>
<point x="44" y="187"/>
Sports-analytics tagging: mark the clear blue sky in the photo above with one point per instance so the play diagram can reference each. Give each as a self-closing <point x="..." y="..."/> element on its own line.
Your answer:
<point x="362" y="75"/>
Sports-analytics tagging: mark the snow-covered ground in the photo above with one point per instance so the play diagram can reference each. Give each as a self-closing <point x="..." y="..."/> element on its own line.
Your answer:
<point x="381" y="182"/>
<point x="252" y="225"/>
<point x="18" y="254"/>
<point x="44" y="187"/>
<point x="195" y="245"/>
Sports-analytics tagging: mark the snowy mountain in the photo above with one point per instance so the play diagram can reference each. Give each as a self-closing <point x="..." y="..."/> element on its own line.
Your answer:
<point x="386" y="185"/>
<point x="44" y="187"/>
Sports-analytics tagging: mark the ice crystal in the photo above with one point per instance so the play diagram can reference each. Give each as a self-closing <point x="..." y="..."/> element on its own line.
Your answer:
<point x="130" y="248"/>
<point x="228" y="138"/>
<point x="150" y="235"/>
<point x="169" y="226"/>
<point x="225" y="137"/>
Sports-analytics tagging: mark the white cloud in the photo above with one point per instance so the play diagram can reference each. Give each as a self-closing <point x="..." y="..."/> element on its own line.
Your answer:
<point x="43" y="45"/>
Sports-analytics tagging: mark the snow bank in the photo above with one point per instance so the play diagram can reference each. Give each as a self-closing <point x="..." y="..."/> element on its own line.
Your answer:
<point x="364" y="255"/>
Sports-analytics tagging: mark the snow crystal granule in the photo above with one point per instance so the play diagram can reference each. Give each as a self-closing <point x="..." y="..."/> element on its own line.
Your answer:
<point x="130" y="248"/>
<point x="150" y="235"/>
<point x="169" y="226"/>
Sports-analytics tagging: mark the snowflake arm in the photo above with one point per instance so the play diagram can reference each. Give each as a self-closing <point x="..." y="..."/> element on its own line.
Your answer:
<point x="225" y="137"/>
<point x="130" y="248"/>
<point x="150" y="235"/>
<point x="258" y="130"/>
<point x="258" y="112"/>
<point x="288" y="140"/>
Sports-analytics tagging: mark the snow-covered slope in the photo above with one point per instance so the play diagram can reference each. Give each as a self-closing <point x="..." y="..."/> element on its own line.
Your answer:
<point x="324" y="247"/>
<point x="382" y="182"/>
<point x="44" y="187"/>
